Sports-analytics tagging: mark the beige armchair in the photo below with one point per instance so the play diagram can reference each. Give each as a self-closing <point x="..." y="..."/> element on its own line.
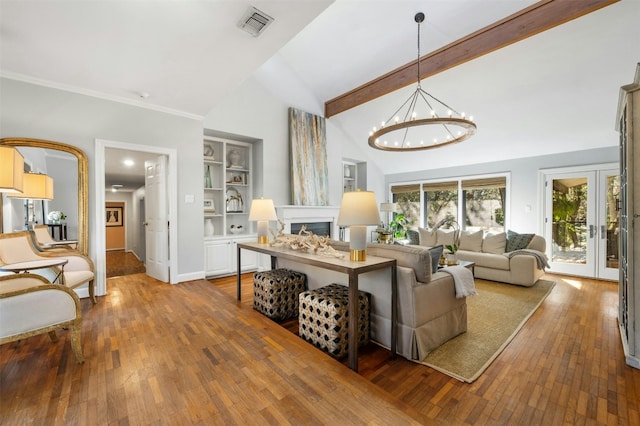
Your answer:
<point x="18" y="247"/>
<point x="31" y="305"/>
<point x="43" y="241"/>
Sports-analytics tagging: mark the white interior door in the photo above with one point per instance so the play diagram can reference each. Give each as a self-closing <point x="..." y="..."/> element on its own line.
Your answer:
<point x="156" y="219"/>
<point x="581" y="222"/>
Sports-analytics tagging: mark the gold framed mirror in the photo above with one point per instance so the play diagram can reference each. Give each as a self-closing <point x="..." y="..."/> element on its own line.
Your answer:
<point x="82" y="181"/>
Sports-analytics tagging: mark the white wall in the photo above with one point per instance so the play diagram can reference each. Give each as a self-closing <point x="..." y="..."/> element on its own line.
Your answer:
<point x="34" y="111"/>
<point x="255" y="112"/>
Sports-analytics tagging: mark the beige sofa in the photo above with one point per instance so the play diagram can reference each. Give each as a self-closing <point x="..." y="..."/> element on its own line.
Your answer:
<point x="429" y="313"/>
<point x="496" y="258"/>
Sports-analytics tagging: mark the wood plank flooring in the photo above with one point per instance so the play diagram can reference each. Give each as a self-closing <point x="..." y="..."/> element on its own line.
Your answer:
<point x="120" y="262"/>
<point x="190" y="354"/>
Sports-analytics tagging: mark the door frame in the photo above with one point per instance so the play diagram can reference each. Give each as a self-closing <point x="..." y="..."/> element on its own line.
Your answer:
<point x="99" y="192"/>
<point x="590" y="168"/>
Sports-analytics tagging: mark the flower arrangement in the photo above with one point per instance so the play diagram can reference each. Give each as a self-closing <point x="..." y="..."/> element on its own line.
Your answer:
<point x="56" y="216"/>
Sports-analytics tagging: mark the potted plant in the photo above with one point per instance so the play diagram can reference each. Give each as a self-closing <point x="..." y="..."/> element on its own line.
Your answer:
<point x="451" y="257"/>
<point x="399" y="226"/>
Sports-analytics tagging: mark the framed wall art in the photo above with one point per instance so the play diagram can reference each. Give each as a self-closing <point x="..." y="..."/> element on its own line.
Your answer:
<point x="114" y="216"/>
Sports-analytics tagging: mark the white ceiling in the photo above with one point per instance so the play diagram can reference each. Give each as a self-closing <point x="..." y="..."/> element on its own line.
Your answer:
<point x="553" y="92"/>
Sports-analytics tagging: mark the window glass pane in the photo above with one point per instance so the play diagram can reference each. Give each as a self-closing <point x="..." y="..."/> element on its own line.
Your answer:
<point x="484" y="209"/>
<point x="408" y="204"/>
<point x="440" y="204"/>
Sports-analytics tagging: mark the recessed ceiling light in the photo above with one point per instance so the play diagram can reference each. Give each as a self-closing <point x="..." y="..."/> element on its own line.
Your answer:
<point x="128" y="162"/>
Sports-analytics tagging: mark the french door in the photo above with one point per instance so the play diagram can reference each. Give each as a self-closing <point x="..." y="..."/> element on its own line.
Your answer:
<point x="581" y="221"/>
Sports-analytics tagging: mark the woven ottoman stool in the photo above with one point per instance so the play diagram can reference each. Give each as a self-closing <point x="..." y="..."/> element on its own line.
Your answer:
<point x="275" y="292"/>
<point x="324" y="318"/>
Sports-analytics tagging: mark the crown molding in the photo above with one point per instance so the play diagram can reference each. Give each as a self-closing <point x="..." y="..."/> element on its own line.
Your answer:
<point x="96" y="94"/>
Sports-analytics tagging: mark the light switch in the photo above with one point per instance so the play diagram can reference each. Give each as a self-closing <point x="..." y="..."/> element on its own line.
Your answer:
<point x="527" y="208"/>
<point x="189" y="199"/>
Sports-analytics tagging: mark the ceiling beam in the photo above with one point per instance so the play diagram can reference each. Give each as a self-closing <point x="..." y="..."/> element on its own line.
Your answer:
<point x="530" y="21"/>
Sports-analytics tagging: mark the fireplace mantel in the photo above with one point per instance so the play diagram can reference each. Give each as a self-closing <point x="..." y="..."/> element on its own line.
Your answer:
<point x="298" y="214"/>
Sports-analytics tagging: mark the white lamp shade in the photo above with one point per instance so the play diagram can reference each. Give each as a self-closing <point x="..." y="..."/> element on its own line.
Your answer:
<point x="262" y="209"/>
<point x="36" y="186"/>
<point x="358" y="208"/>
<point x="387" y="207"/>
<point x="11" y="170"/>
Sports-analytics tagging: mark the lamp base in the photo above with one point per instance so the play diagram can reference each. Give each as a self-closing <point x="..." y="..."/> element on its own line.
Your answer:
<point x="358" y="255"/>
<point x="263" y="239"/>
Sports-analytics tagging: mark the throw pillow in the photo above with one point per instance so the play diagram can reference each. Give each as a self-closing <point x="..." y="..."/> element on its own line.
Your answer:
<point x="494" y="243"/>
<point x="413" y="236"/>
<point x="517" y="241"/>
<point x="471" y="241"/>
<point x="445" y="237"/>
<point x="427" y="237"/>
<point x="435" y="253"/>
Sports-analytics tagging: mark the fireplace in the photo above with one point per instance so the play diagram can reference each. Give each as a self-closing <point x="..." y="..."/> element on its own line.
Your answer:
<point x="321" y="220"/>
<point x="322" y="229"/>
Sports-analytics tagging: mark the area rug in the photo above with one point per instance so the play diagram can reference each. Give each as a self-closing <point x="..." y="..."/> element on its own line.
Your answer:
<point x="494" y="317"/>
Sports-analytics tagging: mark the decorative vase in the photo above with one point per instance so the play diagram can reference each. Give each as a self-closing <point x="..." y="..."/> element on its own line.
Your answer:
<point x="207" y="177"/>
<point x="208" y="227"/>
<point x="452" y="259"/>
<point x="234" y="158"/>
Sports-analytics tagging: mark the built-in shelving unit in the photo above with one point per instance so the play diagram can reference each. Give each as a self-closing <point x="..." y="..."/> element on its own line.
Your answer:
<point x="228" y="191"/>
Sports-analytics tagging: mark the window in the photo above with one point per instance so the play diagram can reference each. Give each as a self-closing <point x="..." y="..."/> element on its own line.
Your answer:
<point x="407" y="199"/>
<point x="476" y="203"/>
<point x="483" y="203"/>
<point x="440" y="202"/>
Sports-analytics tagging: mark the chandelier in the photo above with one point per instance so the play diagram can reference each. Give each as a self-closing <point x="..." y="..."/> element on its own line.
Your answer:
<point x="422" y="121"/>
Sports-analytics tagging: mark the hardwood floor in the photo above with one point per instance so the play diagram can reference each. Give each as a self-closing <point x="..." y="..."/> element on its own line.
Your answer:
<point x="120" y="262"/>
<point x="191" y="354"/>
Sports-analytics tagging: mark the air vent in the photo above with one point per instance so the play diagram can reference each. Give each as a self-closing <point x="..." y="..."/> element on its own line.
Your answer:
<point x="255" y="21"/>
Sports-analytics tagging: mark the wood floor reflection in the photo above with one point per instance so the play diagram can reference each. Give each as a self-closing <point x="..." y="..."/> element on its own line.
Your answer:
<point x="120" y="263"/>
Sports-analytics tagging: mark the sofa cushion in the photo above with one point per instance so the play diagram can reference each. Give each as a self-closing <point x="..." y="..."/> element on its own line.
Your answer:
<point x="485" y="260"/>
<point x="445" y="237"/>
<point x="494" y="243"/>
<point x="517" y="241"/>
<point x="415" y="257"/>
<point x="428" y="237"/>
<point x="471" y="241"/>
<point x="436" y="254"/>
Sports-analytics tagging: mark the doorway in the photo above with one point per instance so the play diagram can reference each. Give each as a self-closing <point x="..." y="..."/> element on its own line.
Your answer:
<point x="100" y="216"/>
<point x="581" y="220"/>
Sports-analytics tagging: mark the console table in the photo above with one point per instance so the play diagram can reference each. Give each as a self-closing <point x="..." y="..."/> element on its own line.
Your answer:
<point x="62" y="230"/>
<point x="352" y="268"/>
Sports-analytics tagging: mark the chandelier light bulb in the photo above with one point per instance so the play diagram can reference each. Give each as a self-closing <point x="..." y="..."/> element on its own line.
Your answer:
<point x="462" y="115"/>
<point x="382" y="124"/>
<point x="413" y="116"/>
<point x="450" y="113"/>
<point x="397" y="119"/>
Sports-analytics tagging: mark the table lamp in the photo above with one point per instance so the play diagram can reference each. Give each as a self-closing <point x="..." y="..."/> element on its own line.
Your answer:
<point x="36" y="186"/>
<point x="262" y="211"/>
<point x="11" y="170"/>
<point x="358" y="210"/>
<point x="387" y="208"/>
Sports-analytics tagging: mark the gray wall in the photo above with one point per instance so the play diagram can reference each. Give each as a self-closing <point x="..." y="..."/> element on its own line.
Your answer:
<point x="524" y="179"/>
<point x="34" y="111"/>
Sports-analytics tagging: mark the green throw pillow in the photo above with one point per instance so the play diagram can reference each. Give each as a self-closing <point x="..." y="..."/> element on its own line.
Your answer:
<point x="435" y="253"/>
<point x="517" y="241"/>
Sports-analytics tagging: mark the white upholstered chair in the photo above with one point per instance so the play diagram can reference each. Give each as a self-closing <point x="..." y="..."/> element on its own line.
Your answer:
<point x="31" y="305"/>
<point x="16" y="247"/>
<point x="43" y="241"/>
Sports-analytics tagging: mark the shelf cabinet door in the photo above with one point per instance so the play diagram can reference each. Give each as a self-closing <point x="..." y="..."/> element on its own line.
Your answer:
<point x="217" y="257"/>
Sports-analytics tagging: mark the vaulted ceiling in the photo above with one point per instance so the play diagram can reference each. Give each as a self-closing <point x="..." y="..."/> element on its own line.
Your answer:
<point x="555" y="91"/>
